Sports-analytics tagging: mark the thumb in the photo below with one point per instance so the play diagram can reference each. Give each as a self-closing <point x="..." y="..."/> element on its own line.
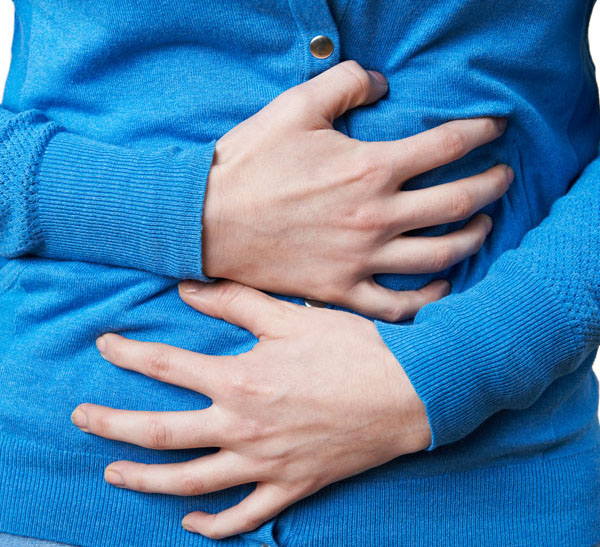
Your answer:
<point x="235" y="303"/>
<point x="342" y="87"/>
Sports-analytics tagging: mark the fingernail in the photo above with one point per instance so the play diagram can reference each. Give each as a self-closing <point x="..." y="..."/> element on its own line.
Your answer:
<point x="101" y="345"/>
<point x="447" y="288"/>
<point x="511" y="173"/>
<point x="188" y="527"/>
<point x="79" y="418"/>
<point x="501" y="123"/>
<point x="378" y="77"/>
<point x="488" y="224"/>
<point x="114" y="477"/>
<point x="190" y="287"/>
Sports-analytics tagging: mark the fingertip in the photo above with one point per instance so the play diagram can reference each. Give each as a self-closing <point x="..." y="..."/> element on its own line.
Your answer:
<point x="196" y="294"/>
<point x="79" y="417"/>
<point x="113" y="476"/>
<point x="185" y="523"/>
<point x="378" y="78"/>
<point x="106" y="342"/>
<point x="445" y="287"/>
<point x="510" y="173"/>
<point x="192" y="523"/>
<point x="101" y="344"/>
<point x="189" y="287"/>
<point x="439" y="288"/>
<point x="489" y="223"/>
<point x="501" y="124"/>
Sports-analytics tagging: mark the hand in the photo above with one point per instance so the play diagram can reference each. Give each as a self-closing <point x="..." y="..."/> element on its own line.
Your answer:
<point x="295" y="207"/>
<point x="297" y="412"/>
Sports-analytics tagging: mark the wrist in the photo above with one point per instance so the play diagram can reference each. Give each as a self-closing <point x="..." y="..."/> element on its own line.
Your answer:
<point x="414" y="430"/>
<point x="213" y="252"/>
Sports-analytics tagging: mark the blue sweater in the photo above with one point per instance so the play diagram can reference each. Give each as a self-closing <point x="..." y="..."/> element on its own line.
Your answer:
<point x="107" y="133"/>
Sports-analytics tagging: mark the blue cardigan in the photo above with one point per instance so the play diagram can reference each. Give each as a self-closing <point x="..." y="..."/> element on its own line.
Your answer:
<point x="107" y="133"/>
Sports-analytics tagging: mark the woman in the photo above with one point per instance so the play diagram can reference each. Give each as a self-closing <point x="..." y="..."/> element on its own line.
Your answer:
<point x="129" y="138"/>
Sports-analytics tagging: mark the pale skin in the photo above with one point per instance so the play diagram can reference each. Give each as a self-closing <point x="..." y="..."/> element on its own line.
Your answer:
<point x="302" y="409"/>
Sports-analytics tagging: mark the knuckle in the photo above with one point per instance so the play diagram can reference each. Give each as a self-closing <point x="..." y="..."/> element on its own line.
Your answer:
<point x="251" y="430"/>
<point x="369" y="219"/>
<point x="250" y="522"/>
<point x="454" y="143"/>
<point x="140" y="483"/>
<point x="229" y="292"/>
<point x="192" y="484"/>
<point x="103" y="425"/>
<point x="237" y="384"/>
<point x="410" y="214"/>
<point x="158" y="435"/>
<point x="295" y="101"/>
<point x="213" y="529"/>
<point x="462" y="204"/>
<point x="440" y="259"/>
<point x="359" y="75"/>
<point x="394" y="313"/>
<point x="369" y="167"/>
<point x="363" y="162"/>
<point x="158" y="364"/>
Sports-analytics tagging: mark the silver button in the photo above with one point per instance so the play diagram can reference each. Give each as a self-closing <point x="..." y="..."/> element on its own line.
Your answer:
<point x="321" y="47"/>
<point x="310" y="303"/>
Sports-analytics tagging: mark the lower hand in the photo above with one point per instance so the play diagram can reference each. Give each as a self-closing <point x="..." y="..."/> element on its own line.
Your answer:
<point x="319" y="398"/>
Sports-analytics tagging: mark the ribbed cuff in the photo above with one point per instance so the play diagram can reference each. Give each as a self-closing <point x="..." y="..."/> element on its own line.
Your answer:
<point x="23" y="137"/>
<point x="131" y="208"/>
<point x="496" y="346"/>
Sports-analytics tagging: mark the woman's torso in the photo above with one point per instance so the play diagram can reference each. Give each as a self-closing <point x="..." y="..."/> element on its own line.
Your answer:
<point x="201" y="68"/>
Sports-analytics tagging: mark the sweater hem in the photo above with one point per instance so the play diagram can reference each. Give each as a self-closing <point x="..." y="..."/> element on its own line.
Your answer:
<point x="550" y="501"/>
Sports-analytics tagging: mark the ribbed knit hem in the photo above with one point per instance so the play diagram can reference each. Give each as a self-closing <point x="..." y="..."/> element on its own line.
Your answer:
<point x="61" y="496"/>
<point x="124" y="207"/>
<point x="473" y="354"/>
<point x="553" y="503"/>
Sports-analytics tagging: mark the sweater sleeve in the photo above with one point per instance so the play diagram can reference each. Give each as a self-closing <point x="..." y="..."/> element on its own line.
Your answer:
<point x="65" y="196"/>
<point x="533" y="318"/>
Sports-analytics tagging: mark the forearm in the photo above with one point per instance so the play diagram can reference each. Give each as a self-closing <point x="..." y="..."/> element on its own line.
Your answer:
<point x="68" y="197"/>
<point x="533" y="318"/>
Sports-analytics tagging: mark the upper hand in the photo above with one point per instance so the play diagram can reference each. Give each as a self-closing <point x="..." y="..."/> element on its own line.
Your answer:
<point x="293" y="206"/>
<point x="319" y="398"/>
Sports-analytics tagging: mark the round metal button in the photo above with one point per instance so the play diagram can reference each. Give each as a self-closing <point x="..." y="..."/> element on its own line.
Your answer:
<point x="310" y="303"/>
<point x="321" y="47"/>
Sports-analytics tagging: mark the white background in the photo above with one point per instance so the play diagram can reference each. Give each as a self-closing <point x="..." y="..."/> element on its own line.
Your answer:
<point x="6" y="24"/>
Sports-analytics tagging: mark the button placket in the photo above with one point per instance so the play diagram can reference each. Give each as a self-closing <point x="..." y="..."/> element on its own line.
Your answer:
<point x="320" y="37"/>
<point x="321" y="47"/>
<point x="320" y="50"/>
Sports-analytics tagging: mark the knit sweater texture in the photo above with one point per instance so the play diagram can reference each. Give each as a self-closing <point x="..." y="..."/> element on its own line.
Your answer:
<point x="107" y="133"/>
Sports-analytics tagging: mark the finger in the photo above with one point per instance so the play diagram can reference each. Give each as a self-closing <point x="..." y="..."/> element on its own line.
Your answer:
<point x="196" y="371"/>
<point x="156" y="430"/>
<point x="438" y="146"/>
<point x="264" y="503"/>
<point x="452" y="201"/>
<point x="374" y="300"/>
<point x="333" y="92"/>
<point x="243" y="306"/>
<point x="416" y="255"/>
<point x="209" y="473"/>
